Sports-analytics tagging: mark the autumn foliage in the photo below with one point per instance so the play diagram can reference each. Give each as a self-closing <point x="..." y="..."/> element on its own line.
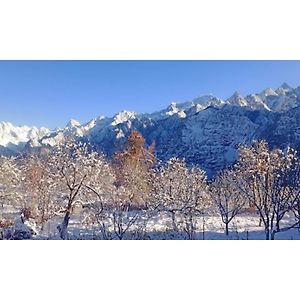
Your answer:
<point x="132" y="165"/>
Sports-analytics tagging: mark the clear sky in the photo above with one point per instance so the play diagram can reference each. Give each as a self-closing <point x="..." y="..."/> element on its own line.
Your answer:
<point x="49" y="93"/>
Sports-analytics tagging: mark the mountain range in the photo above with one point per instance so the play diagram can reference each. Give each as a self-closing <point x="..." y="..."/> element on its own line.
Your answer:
<point x="205" y="131"/>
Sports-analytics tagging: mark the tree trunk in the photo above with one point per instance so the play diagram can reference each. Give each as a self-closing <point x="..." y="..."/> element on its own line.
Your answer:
<point x="226" y="229"/>
<point x="192" y="227"/>
<point x="190" y="230"/>
<point x="273" y="235"/>
<point x="277" y="226"/>
<point x="174" y="221"/>
<point x="203" y="228"/>
<point x="64" y="226"/>
<point x="267" y="233"/>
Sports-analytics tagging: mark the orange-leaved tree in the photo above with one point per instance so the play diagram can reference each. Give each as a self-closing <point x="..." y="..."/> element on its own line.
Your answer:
<point x="132" y="165"/>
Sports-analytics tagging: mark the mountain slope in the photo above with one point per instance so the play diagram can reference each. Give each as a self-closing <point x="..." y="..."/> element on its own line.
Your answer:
<point x="205" y="131"/>
<point x="14" y="138"/>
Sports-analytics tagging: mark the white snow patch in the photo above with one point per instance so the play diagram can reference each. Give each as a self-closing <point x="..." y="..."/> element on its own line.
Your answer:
<point x="123" y="117"/>
<point x="16" y="135"/>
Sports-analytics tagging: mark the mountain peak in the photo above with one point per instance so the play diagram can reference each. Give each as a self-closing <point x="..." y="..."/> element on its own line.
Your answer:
<point x="5" y="125"/>
<point x="237" y="99"/>
<point x="173" y="104"/>
<point x="11" y="136"/>
<point x="235" y="95"/>
<point x="174" y="109"/>
<point x="286" y="87"/>
<point x="123" y="117"/>
<point x="268" y="92"/>
<point x="73" y="123"/>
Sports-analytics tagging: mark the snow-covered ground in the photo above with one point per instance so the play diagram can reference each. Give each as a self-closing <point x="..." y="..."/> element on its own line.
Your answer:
<point x="243" y="227"/>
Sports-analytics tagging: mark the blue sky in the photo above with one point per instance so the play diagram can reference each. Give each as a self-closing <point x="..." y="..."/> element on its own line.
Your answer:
<point x="49" y="93"/>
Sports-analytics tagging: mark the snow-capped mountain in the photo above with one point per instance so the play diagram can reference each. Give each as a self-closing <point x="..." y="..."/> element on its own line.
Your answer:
<point x="237" y="99"/>
<point x="205" y="131"/>
<point x="14" y="138"/>
<point x="180" y="109"/>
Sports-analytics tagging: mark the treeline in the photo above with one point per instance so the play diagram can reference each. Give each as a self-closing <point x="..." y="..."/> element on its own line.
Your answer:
<point x="121" y="195"/>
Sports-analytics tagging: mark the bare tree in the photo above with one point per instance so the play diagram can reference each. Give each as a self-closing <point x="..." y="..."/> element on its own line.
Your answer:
<point x="37" y="188"/>
<point x="197" y="200"/>
<point x="113" y="213"/>
<point x="10" y="178"/>
<point x="73" y="165"/>
<point x="123" y="218"/>
<point x="227" y="197"/>
<point x="270" y="180"/>
<point x="181" y="192"/>
<point x="100" y="192"/>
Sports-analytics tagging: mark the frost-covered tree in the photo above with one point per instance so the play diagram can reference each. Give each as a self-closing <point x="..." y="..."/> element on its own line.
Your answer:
<point x="227" y="197"/>
<point x="122" y="215"/>
<point x="37" y="188"/>
<point x="197" y="200"/>
<point x="112" y="214"/>
<point x="181" y="191"/>
<point x="74" y="167"/>
<point x="100" y="193"/>
<point x="270" y="180"/>
<point x="10" y="178"/>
